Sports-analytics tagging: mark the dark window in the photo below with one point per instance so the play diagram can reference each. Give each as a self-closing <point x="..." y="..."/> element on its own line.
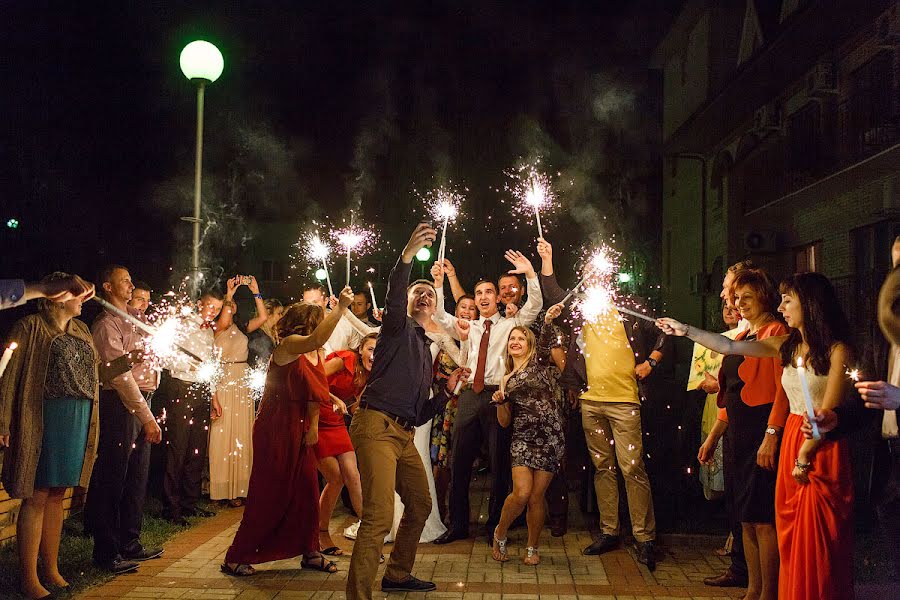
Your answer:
<point x="808" y="258"/>
<point x="804" y="140"/>
<point x="872" y="122"/>
<point x="272" y="270"/>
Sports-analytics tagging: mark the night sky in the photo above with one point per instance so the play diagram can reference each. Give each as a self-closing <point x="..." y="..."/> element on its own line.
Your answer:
<point x="321" y="106"/>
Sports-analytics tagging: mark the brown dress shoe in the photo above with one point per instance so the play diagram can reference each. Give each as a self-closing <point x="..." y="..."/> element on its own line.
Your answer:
<point x="726" y="579"/>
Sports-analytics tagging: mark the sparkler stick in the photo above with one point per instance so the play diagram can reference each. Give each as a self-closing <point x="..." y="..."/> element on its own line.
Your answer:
<point x="7" y="354"/>
<point x="349" y="247"/>
<point x="443" y="247"/>
<point x="327" y="277"/>
<point x="140" y="324"/>
<point x="574" y="290"/>
<point x="537" y="216"/>
<point x="372" y="292"/>
<point x="636" y="314"/>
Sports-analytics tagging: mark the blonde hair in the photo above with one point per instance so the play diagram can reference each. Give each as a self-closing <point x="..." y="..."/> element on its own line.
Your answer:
<point x="511" y="369"/>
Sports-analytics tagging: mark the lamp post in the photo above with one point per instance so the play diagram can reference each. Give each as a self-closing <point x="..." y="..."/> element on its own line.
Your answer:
<point x="423" y="256"/>
<point x="202" y="63"/>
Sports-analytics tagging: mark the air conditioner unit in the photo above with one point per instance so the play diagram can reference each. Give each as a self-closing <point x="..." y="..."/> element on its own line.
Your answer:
<point x="888" y="33"/>
<point x="700" y="283"/>
<point x="821" y="80"/>
<point x="767" y="118"/>
<point x="760" y="242"/>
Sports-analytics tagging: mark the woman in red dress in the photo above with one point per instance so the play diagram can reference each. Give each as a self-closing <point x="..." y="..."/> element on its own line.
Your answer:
<point x="347" y="371"/>
<point x="282" y="510"/>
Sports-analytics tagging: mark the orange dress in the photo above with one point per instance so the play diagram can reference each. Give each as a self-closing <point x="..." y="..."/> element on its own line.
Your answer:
<point x="281" y="517"/>
<point x="814" y="521"/>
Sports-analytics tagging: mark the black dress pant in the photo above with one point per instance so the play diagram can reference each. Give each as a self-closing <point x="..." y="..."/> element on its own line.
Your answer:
<point x="186" y="439"/>
<point x="476" y="420"/>
<point x="738" y="561"/>
<point x="888" y="508"/>
<point x="115" y="504"/>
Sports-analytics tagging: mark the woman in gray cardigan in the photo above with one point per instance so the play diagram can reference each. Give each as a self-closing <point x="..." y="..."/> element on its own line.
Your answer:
<point x="48" y="424"/>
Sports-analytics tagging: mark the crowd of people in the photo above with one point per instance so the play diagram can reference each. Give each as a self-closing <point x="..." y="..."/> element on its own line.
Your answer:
<point x="394" y="408"/>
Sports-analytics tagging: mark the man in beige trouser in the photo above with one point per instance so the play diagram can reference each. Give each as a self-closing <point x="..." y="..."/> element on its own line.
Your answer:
<point x="615" y="427"/>
<point x="388" y="461"/>
<point x="397" y="398"/>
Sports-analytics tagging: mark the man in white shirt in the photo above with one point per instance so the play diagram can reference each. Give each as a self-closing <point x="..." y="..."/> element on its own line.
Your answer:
<point x="344" y="337"/>
<point x="187" y="409"/>
<point x="476" y="417"/>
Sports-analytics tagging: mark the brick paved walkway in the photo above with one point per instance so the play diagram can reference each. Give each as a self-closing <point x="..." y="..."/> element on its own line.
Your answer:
<point x="464" y="569"/>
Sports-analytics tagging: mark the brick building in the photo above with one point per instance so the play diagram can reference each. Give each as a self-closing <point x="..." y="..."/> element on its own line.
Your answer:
<point x="781" y="127"/>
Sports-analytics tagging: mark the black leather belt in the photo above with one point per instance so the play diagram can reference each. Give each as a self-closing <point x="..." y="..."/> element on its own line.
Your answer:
<point x="404" y="423"/>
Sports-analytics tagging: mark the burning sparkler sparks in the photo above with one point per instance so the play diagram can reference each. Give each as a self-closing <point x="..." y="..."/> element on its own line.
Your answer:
<point x="317" y="252"/>
<point x="355" y="239"/>
<point x="533" y="190"/>
<point x="256" y="381"/>
<point x="444" y="207"/>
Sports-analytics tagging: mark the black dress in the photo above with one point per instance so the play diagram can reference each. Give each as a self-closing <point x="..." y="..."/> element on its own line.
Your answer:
<point x="751" y="486"/>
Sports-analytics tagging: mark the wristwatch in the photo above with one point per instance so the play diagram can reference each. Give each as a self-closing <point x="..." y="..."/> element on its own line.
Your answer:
<point x="652" y="362"/>
<point x="771" y="431"/>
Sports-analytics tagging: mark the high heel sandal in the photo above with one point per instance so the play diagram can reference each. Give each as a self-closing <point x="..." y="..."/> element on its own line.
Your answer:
<point x="532" y="558"/>
<point x="499" y="552"/>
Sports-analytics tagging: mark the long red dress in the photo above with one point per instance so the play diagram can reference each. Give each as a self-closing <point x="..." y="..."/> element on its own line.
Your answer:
<point x="814" y="521"/>
<point x="334" y="439"/>
<point x="281" y="517"/>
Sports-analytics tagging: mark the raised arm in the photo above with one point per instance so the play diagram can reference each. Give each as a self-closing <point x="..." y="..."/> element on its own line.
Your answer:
<point x="300" y="344"/>
<point x="456" y="287"/>
<point x="261" y="313"/>
<point x="226" y="315"/>
<point x="358" y="326"/>
<point x="395" y="310"/>
<point x="532" y="307"/>
<point x="767" y="348"/>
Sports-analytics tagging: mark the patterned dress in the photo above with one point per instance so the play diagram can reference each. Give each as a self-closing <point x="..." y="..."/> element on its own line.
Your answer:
<point x="538" y="428"/>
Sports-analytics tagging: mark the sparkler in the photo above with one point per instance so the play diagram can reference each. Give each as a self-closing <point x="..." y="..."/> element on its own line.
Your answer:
<point x="317" y="251"/>
<point x="355" y="239"/>
<point x="167" y="332"/>
<point x="853" y="374"/>
<point x="372" y="292"/>
<point x="256" y="381"/>
<point x="444" y="207"/>
<point x="532" y="188"/>
<point x="7" y="355"/>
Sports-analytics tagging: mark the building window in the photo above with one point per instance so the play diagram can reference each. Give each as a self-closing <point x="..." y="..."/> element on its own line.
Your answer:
<point x="272" y="270"/>
<point x="804" y="139"/>
<point x="808" y="258"/>
<point x="872" y="123"/>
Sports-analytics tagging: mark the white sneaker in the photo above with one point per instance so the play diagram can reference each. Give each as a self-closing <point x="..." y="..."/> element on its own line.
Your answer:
<point x="350" y="532"/>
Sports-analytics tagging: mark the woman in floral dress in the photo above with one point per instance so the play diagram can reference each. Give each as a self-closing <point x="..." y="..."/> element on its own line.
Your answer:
<point x="530" y="400"/>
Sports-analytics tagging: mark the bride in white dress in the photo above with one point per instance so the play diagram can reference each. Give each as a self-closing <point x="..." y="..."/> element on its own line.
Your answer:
<point x="434" y="528"/>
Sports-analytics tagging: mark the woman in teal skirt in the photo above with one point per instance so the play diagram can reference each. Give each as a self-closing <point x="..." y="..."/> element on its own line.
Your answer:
<point x="48" y="421"/>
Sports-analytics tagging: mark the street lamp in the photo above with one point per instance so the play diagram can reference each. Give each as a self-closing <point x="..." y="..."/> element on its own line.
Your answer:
<point x="423" y="256"/>
<point x="202" y="63"/>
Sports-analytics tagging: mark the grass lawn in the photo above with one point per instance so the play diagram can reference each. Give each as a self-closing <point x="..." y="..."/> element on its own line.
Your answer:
<point x="75" y="551"/>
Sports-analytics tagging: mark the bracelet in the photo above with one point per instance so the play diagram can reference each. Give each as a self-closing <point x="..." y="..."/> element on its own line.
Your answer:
<point x="258" y="296"/>
<point x="802" y="466"/>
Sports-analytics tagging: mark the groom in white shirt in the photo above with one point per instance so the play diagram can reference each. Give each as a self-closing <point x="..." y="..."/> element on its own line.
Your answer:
<point x="476" y="417"/>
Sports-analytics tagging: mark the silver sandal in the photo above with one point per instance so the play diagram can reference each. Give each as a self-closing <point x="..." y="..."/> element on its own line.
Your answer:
<point x="531" y="552"/>
<point x="501" y="546"/>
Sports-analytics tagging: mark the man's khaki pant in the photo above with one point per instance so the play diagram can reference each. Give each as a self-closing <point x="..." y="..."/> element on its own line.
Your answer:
<point x="388" y="461"/>
<point x="615" y="427"/>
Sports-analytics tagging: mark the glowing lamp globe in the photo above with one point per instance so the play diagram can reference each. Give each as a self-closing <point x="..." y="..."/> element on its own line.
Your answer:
<point x="201" y="60"/>
<point x="321" y="275"/>
<point x="423" y="255"/>
<point x="624" y="277"/>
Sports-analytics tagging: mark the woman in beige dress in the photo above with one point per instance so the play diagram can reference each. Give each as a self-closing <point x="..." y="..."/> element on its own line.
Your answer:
<point x="230" y="443"/>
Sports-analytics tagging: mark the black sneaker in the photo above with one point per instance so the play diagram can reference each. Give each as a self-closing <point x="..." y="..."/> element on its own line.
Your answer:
<point x="645" y="554"/>
<point x="143" y="554"/>
<point x="410" y="584"/>
<point x="118" y="565"/>
<point x="604" y="543"/>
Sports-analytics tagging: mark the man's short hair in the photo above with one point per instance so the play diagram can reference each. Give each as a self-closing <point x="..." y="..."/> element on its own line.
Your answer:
<point x="140" y="285"/>
<point x="311" y="287"/>
<point x="516" y="276"/>
<point x="106" y="274"/>
<point x="420" y="282"/>
<point x="480" y="281"/>
<point x="214" y="293"/>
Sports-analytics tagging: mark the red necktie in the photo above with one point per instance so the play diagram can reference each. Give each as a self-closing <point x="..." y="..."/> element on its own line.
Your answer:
<point x="478" y="384"/>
